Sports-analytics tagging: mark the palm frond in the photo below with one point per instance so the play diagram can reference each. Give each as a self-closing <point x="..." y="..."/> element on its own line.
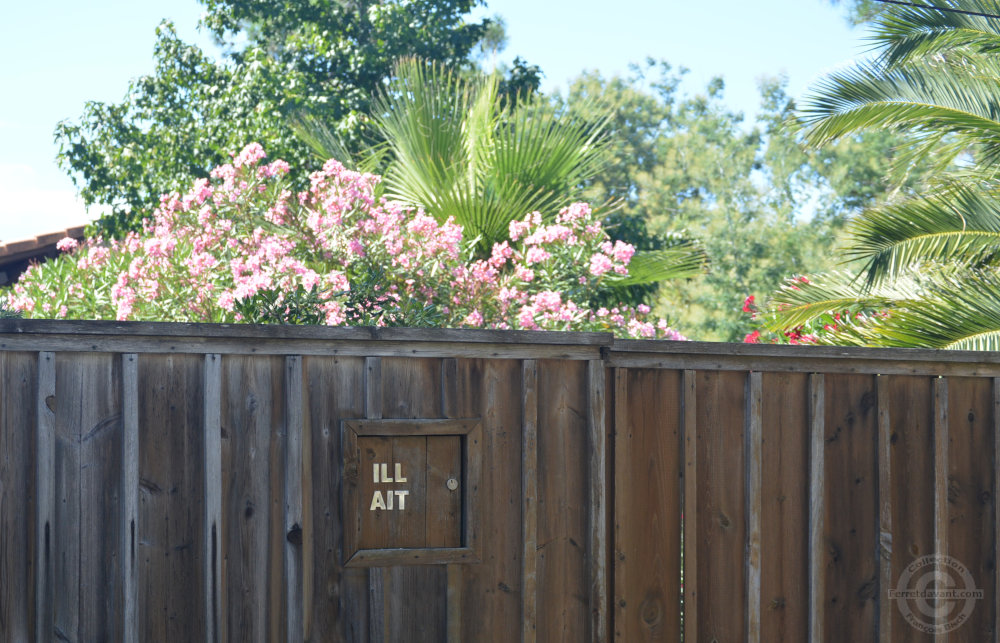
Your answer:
<point x="800" y="302"/>
<point x="905" y="32"/>
<point x="961" y="313"/>
<point x="680" y="260"/>
<point x="959" y="225"/>
<point x="924" y="98"/>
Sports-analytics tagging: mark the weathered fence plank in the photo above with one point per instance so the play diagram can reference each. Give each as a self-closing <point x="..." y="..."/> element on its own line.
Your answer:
<point x="562" y="502"/>
<point x="647" y="517"/>
<point x="784" y="513"/>
<point x="722" y="520"/>
<point x="174" y="552"/>
<point x="753" y="449"/>
<point x="215" y="605"/>
<point x="130" y="496"/>
<point x="293" y="486"/>
<point x="689" y="431"/>
<point x="597" y="536"/>
<point x="850" y="505"/>
<point x="971" y="507"/>
<point x="411" y="389"/>
<point x="817" y="524"/>
<point x="45" y="497"/>
<point x="911" y="414"/>
<point x="18" y="436"/>
<point x="529" y="500"/>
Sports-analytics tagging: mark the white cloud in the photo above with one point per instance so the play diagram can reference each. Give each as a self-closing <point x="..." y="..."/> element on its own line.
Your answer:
<point x="29" y="207"/>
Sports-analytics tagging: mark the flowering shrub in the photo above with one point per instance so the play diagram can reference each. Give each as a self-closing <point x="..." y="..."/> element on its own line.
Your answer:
<point x="241" y="246"/>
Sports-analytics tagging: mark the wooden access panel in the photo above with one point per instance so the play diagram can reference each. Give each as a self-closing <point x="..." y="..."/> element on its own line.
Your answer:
<point x="411" y="490"/>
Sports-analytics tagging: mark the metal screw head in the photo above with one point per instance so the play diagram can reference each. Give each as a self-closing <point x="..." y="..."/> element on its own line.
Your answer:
<point x="452" y="484"/>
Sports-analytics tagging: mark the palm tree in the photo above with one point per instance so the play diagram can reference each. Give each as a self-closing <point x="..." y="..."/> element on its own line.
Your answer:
<point x="929" y="263"/>
<point x="456" y="149"/>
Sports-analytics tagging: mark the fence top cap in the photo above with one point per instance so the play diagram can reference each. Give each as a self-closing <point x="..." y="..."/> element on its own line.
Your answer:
<point x="251" y="331"/>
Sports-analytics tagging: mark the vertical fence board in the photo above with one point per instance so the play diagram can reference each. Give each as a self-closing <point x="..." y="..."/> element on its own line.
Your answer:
<point x="340" y="597"/>
<point x="722" y="520"/>
<point x="971" y="505"/>
<point x="18" y="429"/>
<point x="45" y="494"/>
<point x="130" y="495"/>
<point x="294" y="482"/>
<point x="689" y="506"/>
<point x="817" y="525"/>
<point x="647" y="506"/>
<point x="884" y="542"/>
<point x="214" y="548"/>
<point x="491" y="600"/>
<point x="563" y="613"/>
<point x="940" y="474"/>
<point x="911" y="481"/>
<point x="173" y="546"/>
<point x="753" y="448"/>
<point x="784" y="517"/>
<point x="252" y="415"/>
<point x="597" y="540"/>
<point x="88" y="513"/>
<point x="529" y="501"/>
<point x="377" y="614"/>
<point x="415" y="597"/>
<point x="850" y="510"/>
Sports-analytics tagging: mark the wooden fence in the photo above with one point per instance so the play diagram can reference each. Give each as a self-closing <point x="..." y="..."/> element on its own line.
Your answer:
<point x="183" y="482"/>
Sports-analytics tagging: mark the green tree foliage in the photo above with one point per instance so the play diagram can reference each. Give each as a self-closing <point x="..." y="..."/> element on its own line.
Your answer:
<point x="763" y="206"/>
<point x="326" y="58"/>
<point x="929" y="260"/>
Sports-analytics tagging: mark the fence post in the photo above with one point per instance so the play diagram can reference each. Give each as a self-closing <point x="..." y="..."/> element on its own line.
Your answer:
<point x="130" y="495"/>
<point x="214" y="610"/>
<point x="45" y="491"/>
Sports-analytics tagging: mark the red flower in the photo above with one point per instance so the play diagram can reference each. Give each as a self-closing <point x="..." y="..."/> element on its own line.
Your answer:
<point x="752" y="338"/>
<point x="747" y="304"/>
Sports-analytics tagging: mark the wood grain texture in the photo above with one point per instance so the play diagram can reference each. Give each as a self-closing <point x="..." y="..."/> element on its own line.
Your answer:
<point x="563" y="611"/>
<point x="647" y="514"/>
<point x="253" y="497"/>
<point x="910" y="401"/>
<point x="850" y="511"/>
<point x="18" y="439"/>
<point x="88" y="487"/>
<point x="339" y="599"/>
<point x="689" y="507"/>
<point x="784" y="512"/>
<point x="411" y="389"/>
<point x="130" y="496"/>
<point x="214" y="546"/>
<point x="817" y="508"/>
<point x="45" y="495"/>
<point x="597" y="538"/>
<point x="884" y="543"/>
<point x="529" y="500"/>
<point x="294" y="513"/>
<point x="971" y="508"/>
<point x="753" y="449"/>
<point x="173" y="546"/>
<point x="722" y="521"/>
<point x="940" y="473"/>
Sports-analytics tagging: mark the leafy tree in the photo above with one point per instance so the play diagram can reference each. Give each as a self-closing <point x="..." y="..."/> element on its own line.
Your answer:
<point x="929" y="261"/>
<point x="762" y="205"/>
<point x="326" y="58"/>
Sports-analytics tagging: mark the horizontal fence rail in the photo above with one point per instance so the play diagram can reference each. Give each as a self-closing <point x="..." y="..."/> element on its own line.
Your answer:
<point x="181" y="482"/>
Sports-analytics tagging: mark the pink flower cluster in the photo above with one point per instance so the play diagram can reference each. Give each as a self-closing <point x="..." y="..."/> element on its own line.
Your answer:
<point x="243" y="231"/>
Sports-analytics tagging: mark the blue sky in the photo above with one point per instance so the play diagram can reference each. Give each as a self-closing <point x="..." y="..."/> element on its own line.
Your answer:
<point x="59" y="54"/>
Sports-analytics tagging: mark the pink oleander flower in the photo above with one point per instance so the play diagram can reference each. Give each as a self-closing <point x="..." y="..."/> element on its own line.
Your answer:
<point x="67" y="244"/>
<point x="599" y="264"/>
